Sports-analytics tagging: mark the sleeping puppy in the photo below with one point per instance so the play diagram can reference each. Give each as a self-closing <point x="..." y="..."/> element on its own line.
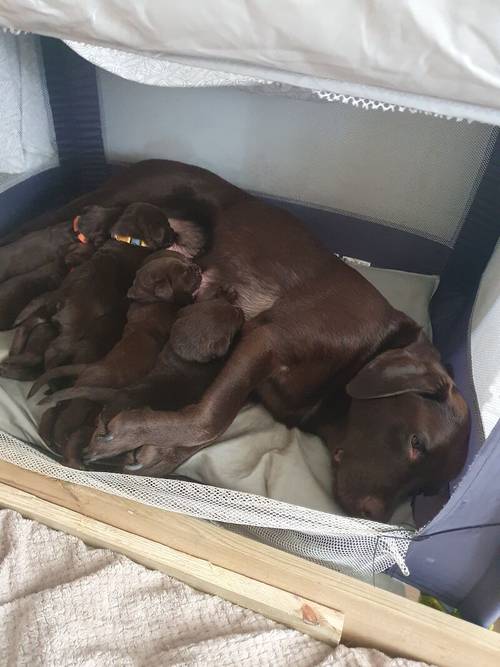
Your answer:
<point x="18" y="291"/>
<point x="149" y="321"/>
<point x="44" y="246"/>
<point x="174" y="381"/>
<point x="98" y="287"/>
<point x="34" y="330"/>
<point x="25" y="360"/>
<point x="164" y="282"/>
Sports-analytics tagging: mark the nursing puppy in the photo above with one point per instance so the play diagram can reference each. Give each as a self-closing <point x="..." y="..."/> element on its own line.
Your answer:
<point x="34" y="330"/>
<point x="39" y="248"/>
<point x="25" y="360"/>
<point x="203" y="333"/>
<point x="18" y="291"/>
<point x="95" y="290"/>
<point x="165" y="281"/>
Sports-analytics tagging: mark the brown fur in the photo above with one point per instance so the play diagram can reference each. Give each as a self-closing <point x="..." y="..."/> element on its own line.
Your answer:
<point x="18" y="291"/>
<point x="316" y="324"/>
<point x="39" y="248"/>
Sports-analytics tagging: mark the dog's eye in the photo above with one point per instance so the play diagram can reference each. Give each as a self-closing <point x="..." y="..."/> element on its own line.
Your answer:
<point x="417" y="446"/>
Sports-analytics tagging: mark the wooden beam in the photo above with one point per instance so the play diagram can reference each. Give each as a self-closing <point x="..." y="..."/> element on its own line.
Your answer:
<point x="373" y="617"/>
<point x="304" y="615"/>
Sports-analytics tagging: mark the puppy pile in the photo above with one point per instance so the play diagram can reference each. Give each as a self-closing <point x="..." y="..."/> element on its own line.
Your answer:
<point x="111" y="311"/>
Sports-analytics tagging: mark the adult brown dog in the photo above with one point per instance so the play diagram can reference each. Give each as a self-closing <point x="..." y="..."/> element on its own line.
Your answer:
<point x="314" y="326"/>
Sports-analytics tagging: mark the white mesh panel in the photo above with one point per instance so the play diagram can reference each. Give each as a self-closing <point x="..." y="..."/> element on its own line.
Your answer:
<point x="353" y="546"/>
<point x="413" y="172"/>
<point x="485" y="344"/>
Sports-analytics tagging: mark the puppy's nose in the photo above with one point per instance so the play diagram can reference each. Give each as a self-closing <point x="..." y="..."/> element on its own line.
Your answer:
<point x="372" y="508"/>
<point x="337" y="455"/>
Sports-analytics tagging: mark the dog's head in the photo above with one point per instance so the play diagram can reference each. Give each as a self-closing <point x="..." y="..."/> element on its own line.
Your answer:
<point x="405" y="432"/>
<point x="95" y="222"/>
<point x="166" y="276"/>
<point x="147" y="223"/>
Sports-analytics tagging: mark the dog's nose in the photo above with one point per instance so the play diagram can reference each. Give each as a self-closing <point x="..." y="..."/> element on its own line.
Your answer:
<point x="372" y="508"/>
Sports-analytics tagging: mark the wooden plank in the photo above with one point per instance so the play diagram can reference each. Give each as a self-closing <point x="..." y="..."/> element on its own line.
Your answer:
<point x="373" y="617"/>
<point x="304" y="615"/>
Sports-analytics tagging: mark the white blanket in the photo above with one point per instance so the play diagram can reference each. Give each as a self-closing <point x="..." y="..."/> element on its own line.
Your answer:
<point x="437" y="55"/>
<point x="62" y="604"/>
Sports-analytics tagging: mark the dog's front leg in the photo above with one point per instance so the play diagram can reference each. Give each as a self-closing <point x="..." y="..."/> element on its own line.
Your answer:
<point x="251" y="362"/>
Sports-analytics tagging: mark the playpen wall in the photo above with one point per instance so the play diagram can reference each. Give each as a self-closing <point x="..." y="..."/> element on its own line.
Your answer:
<point x="451" y="235"/>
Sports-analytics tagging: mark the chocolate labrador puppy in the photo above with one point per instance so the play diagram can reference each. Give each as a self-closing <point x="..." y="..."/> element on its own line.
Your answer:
<point x="40" y="248"/>
<point x="166" y="281"/>
<point x="34" y="330"/>
<point x="182" y="372"/>
<point x="314" y="325"/>
<point x="18" y="291"/>
<point x="92" y="292"/>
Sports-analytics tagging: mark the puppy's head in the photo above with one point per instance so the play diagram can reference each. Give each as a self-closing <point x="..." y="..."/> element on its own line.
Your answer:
<point x="147" y="223"/>
<point x="205" y="330"/>
<point x="405" y="433"/>
<point x="95" y="222"/>
<point x="169" y="277"/>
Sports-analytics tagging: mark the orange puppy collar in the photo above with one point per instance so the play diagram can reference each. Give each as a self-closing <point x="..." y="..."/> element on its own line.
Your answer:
<point x="79" y="235"/>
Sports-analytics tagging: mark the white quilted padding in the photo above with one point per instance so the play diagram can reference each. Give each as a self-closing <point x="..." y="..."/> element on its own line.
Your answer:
<point x="439" y="55"/>
<point x="26" y="130"/>
<point x="485" y="344"/>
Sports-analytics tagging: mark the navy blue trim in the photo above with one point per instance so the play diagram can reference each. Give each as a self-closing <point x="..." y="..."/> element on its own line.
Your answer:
<point x="74" y="100"/>
<point x="478" y="235"/>
<point x="383" y="246"/>
<point x="31" y="197"/>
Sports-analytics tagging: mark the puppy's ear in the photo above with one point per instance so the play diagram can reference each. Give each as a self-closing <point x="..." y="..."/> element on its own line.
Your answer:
<point x="159" y="234"/>
<point x="410" y="369"/>
<point x="164" y="291"/>
<point x="154" y="226"/>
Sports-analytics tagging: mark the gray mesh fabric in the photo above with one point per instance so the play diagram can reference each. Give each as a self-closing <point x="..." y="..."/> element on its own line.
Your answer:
<point x="350" y="545"/>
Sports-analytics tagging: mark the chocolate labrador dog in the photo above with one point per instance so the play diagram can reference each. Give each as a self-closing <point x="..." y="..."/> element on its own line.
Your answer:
<point x="316" y="330"/>
<point x="39" y="248"/>
<point x="188" y="363"/>
<point x="165" y="282"/>
<point x="93" y="292"/>
<point x="133" y="358"/>
<point x="18" y="291"/>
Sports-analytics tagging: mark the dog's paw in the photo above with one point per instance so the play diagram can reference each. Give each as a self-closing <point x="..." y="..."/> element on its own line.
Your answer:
<point x="125" y="432"/>
<point x="142" y="458"/>
<point x="150" y="461"/>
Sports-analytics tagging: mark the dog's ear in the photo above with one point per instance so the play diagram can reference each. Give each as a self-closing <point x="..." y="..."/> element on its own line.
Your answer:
<point x="164" y="290"/>
<point x="410" y="369"/>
